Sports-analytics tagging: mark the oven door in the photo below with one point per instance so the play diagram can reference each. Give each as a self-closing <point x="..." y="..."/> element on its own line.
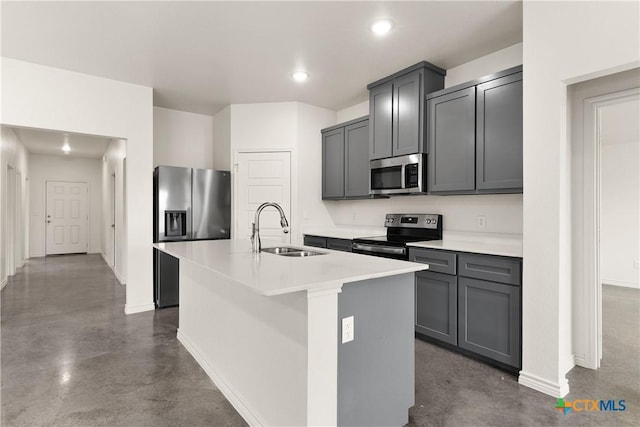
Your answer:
<point x="385" y="251"/>
<point x="397" y="175"/>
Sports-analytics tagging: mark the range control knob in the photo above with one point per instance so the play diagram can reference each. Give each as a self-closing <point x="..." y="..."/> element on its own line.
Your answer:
<point x="428" y="220"/>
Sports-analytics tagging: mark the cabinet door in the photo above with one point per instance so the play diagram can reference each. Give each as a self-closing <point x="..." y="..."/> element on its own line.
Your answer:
<point x="436" y="306"/>
<point x="339" y="244"/>
<point x="407" y="114"/>
<point x="333" y="164"/>
<point x="452" y="142"/>
<point x="499" y="134"/>
<point x="489" y="319"/>
<point x="380" y="116"/>
<point x="356" y="151"/>
<point x="315" y="241"/>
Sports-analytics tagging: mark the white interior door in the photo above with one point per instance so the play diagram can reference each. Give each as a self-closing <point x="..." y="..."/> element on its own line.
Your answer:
<point x="262" y="177"/>
<point x="67" y="218"/>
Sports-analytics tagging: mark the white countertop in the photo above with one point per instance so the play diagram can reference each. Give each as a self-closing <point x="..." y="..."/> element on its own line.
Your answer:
<point x="482" y="243"/>
<point x="270" y="274"/>
<point x="341" y="232"/>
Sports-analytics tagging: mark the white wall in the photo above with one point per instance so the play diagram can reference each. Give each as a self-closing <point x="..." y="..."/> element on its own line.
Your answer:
<point x="182" y="139"/>
<point x="294" y="126"/>
<point x="496" y="61"/>
<point x="113" y="167"/>
<point x="620" y="194"/>
<point x="222" y="139"/>
<point x="563" y="43"/>
<point x="49" y="98"/>
<point x="503" y="213"/>
<point x="45" y="168"/>
<point x="12" y="154"/>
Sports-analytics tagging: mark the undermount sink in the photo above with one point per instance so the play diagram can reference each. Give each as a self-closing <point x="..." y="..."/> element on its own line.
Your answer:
<point x="291" y="252"/>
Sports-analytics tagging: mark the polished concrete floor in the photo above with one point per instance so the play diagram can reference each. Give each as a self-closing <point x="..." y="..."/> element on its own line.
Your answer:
<point x="70" y="357"/>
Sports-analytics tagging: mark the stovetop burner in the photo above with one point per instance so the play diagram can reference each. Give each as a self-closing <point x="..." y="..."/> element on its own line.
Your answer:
<point x="401" y="229"/>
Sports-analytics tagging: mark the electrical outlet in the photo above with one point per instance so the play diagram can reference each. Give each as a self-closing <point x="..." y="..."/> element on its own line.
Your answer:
<point x="347" y="329"/>
<point x="354" y="217"/>
<point x="636" y="265"/>
<point x="482" y="220"/>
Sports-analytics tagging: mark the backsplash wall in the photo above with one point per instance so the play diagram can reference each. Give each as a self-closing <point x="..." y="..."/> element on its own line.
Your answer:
<point x="502" y="212"/>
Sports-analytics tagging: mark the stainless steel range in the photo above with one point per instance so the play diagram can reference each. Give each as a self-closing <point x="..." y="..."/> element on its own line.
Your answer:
<point x="401" y="229"/>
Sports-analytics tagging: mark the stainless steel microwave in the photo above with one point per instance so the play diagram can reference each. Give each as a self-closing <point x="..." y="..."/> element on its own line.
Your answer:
<point x="399" y="175"/>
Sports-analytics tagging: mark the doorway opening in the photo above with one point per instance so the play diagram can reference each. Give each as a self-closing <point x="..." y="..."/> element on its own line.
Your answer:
<point x="604" y="121"/>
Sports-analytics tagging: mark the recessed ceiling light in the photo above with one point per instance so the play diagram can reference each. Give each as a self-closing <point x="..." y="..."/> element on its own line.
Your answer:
<point x="300" y="76"/>
<point x="381" y="26"/>
<point x="66" y="147"/>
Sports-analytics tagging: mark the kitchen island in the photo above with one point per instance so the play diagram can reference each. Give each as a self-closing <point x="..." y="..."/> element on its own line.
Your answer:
<point x="267" y="329"/>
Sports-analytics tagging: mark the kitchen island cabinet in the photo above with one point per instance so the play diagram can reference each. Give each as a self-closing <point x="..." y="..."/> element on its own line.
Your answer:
<point x="267" y="329"/>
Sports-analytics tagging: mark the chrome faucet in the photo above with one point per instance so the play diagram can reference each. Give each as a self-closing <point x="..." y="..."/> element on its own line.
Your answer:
<point x="255" y="236"/>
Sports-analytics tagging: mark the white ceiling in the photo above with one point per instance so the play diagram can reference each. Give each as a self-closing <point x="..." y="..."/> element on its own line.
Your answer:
<point x="50" y="142"/>
<point x="620" y="123"/>
<point x="202" y="56"/>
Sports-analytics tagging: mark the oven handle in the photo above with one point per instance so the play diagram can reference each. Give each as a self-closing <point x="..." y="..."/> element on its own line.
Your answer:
<point x="379" y="249"/>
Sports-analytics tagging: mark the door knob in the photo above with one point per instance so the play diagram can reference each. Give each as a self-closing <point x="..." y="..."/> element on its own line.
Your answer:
<point x="48" y="221"/>
<point x="48" y="216"/>
<point x="113" y="226"/>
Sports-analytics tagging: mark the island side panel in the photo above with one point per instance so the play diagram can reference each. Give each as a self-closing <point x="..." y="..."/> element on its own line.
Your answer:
<point x="253" y="347"/>
<point x="376" y="370"/>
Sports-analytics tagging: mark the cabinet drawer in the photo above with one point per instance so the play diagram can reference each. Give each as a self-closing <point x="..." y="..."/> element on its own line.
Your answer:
<point x="315" y="241"/>
<point x="495" y="269"/>
<point x="339" y="244"/>
<point x="439" y="261"/>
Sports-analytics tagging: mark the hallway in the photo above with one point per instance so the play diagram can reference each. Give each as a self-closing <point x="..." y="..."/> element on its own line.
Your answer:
<point x="71" y="357"/>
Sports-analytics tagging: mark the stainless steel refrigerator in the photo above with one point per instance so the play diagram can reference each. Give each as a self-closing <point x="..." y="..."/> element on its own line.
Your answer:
<point x="188" y="204"/>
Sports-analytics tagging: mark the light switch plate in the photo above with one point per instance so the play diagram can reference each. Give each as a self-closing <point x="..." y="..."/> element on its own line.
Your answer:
<point x="347" y="329"/>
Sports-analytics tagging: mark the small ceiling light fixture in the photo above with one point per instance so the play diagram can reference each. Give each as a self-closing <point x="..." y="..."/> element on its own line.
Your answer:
<point x="381" y="26"/>
<point x="66" y="147"/>
<point x="300" y="76"/>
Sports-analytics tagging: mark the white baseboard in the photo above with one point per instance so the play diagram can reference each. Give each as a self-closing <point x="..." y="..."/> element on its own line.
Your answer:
<point x="621" y="283"/>
<point x="37" y="254"/>
<point x="580" y="360"/>
<point x="227" y="390"/>
<point x="113" y="269"/>
<point x="94" y="251"/>
<point x="569" y="363"/>
<point x="544" y="386"/>
<point x="3" y="283"/>
<point x="138" y="308"/>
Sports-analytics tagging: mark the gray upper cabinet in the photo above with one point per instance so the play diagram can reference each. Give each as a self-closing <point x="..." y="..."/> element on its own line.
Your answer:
<point x="380" y="113"/>
<point x="333" y="164"/>
<point x="356" y="148"/>
<point x="345" y="160"/>
<point x="396" y="110"/>
<point x="475" y="136"/>
<point x="451" y="161"/>
<point x="499" y="134"/>
<point x="407" y="114"/>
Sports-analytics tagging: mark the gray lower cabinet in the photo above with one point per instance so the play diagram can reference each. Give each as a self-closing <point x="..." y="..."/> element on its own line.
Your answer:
<point x="475" y="136"/>
<point x="339" y="244"/>
<point x="328" y="243"/>
<point x="345" y="160"/>
<point x="315" y="241"/>
<point x="437" y="306"/>
<point x="471" y="301"/>
<point x="489" y="319"/>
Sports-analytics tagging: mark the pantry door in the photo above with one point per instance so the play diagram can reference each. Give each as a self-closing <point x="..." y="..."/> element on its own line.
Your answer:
<point x="67" y="217"/>
<point x="262" y="177"/>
